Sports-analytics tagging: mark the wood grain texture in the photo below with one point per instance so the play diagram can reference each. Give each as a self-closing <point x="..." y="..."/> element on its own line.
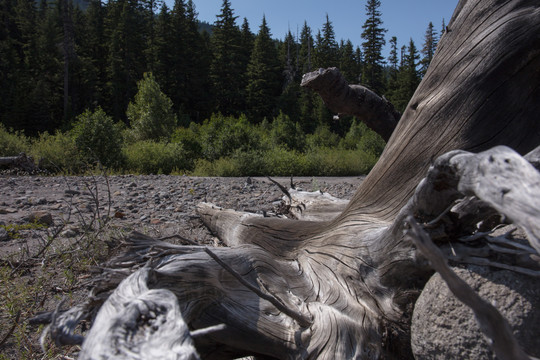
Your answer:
<point x="355" y="276"/>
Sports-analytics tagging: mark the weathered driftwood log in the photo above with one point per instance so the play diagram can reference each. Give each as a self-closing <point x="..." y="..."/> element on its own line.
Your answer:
<point x="375" y="111"/>
<point x="21" y="161"/>
<point x="344" y="288"/>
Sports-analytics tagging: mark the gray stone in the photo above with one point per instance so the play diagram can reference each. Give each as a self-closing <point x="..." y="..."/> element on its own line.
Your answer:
<point x="444" y="328"/>
<point x="4" y="236"/>
<point x="41" y="217"/>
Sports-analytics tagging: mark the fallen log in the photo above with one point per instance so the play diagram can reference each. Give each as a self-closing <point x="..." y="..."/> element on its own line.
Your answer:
<point x="21" y="161"/>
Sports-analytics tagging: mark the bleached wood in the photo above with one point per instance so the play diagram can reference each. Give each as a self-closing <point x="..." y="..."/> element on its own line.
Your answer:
<point x="354" y="275"/>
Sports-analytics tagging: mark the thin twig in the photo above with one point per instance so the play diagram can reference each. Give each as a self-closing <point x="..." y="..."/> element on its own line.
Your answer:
<point x="207" y="331"/>
<point x="281" y="187"/>
<point x="12" y="329"/>
<point x="302" y="319"/>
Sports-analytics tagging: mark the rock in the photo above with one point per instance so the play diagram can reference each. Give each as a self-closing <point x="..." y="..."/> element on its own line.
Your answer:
<point x="41" y="217"/>
<point x="444" y="328"/>
<point x="70" y="232"/>
<point x="71" y="192"/>
<point x="8" y="210"/>
<point x="4" y="236"/>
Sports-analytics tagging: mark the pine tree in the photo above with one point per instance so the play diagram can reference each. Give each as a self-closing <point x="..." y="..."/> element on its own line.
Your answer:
<point x="348" y="64"/>
<point x="288" y="100"/>
<point x="11" y="63"/>
<point x="92" y="41"/>
<point x="151" y="116"/>
<point x="373" y="35"/>
<point x="408" y="78"/>
<point x="162" y="51"/>
<point x="46" y="95"/>
<point x="305" y="57"/>
<point x="393" y="60"/>
<point x="327" y="48"/>
<point x="126" y="60"/>
<point x="197" y="63"/>
<point x="428" y="50"/>
<point x="226" y="68"/>
<point x="264" y="76"/>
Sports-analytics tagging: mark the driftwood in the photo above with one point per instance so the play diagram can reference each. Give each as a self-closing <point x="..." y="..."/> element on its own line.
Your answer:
<point x="375" y="111"/>
<point x="342" y="286"/>
<point x="21" y="161"/>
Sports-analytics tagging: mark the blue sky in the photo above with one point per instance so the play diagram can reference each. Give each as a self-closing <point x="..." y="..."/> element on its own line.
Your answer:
<point x="403" y="18"/>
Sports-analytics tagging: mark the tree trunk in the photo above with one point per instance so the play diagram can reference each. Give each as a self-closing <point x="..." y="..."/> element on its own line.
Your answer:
<point x="343" y="287"/>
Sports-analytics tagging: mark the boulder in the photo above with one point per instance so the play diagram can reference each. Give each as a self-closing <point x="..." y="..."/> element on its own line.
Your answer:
<point x="444" y="328"/>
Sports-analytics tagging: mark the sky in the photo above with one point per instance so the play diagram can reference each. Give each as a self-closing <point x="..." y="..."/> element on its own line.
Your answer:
<point x="404" y="19"/>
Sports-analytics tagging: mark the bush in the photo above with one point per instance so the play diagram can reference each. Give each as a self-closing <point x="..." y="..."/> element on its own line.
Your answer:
<point x="189" y="138"/>
<point x="372" y="143"/>
<point x="221" y="136"/>
<point x="151" y="116"/>
<point x="287" y="133"/>
<point x="149" y="157"/>
<point x="282" y="162"/>
<point x="98" y="138"/>
<point x="339" y="162"/>
<point x="57" y="153"/>
<point x="354" y="135"/>
<point x="322" y="138"/>
<point x="12" y="143"/>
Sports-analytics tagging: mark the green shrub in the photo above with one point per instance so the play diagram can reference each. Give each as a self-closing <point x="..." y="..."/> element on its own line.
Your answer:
<point x="287" y="133"/>
<point x="282" y="162"/>
<point x="371" y="143"/>
<point x="339" y="162"/>
<point x="149" y="157"/>
<point x="354" y="135"/>
<point x="189" y="138"/>
<point x="12" y="143"/>
<point x="221" y="136"/>
<point x="322" y="138"/>
<point x="57" y="153"/>
<point x="98" y="138"/>
<point x="151" y="116"/>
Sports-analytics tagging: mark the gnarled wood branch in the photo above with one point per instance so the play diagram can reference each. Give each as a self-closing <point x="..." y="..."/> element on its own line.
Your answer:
<point x="354" y="275"/>
<point x="375" y="111"/>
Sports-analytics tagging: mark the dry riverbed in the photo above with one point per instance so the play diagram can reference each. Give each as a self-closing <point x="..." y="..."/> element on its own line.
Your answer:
<point x="56" y="231"/>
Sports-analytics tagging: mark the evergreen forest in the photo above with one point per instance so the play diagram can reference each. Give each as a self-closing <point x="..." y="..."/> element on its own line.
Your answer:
<point x="137" y="86"/>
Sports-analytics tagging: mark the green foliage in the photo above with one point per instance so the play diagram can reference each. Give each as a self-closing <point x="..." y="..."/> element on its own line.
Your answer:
<point x="371" y="143"/>
<point x="327" y="49"/>
<point x="12" y="143"/>
<point x="57" y="153"/>
<point x="338" y="162"/>
<point x="228" y="64"/>
<point x="279" y="161"/>
<point x="151" y="116"/>
<point x="373" y="35"/>
<point x="14" y="230"/>
<point x="354" y="135"/>
<point x="323" y="137"/>
<point x="264" y="83"/>
<point x="149" y="157"/>
<point x="189" y="139"/>
<point x="222" y="135"/>
<point x="98" y="138"/>
<point x="286" y="133"/>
